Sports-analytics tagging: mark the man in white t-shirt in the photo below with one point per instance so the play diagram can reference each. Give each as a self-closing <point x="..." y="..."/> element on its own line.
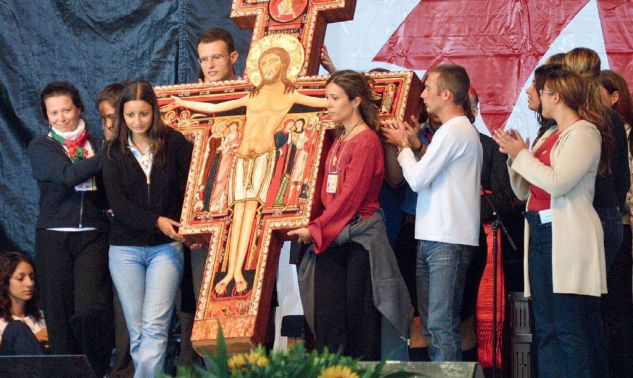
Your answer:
<point x="447" y="179"/>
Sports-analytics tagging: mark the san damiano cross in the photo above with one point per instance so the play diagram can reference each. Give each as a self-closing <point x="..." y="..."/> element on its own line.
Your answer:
<point x="259" y="144"/>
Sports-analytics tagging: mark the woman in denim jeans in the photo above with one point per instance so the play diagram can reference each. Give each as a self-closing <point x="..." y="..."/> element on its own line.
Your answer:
<point x="145" y="174"/>
<point x="617" y="305"/>
<point x="565" y="263"/>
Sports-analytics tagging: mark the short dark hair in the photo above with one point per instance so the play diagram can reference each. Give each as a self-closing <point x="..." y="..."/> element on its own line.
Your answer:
<point x="110" y="94"/>
<point x="474" y="96"/>
<point x="60" y="88"/>
<point x="217" y="34"/>
<point x="454" y="78"/>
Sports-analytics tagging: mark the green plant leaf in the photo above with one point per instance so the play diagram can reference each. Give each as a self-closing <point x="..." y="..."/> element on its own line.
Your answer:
<point x="221" y="356"/>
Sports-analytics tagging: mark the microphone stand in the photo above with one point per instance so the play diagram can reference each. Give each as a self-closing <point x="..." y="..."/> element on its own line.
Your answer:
<point x="497" y="225"/>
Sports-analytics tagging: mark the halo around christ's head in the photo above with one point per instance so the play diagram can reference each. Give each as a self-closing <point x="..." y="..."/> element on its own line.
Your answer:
<point x="287" y="42"/>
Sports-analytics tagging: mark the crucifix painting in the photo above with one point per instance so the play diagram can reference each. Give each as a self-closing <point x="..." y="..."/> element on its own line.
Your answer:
<point x="259" y="144"/>
<point x="272" y="66"/>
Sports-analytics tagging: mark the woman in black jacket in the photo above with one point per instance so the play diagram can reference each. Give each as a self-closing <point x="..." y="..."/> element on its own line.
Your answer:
<point x="145" y="173"/>
<point x="71" y="237"/>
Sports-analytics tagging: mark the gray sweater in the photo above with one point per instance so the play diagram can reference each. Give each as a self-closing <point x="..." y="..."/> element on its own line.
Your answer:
<point x="390" y="293"/>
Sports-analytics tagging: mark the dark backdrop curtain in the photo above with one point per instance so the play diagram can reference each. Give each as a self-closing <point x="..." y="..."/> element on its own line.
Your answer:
<point x="90" y="43"/>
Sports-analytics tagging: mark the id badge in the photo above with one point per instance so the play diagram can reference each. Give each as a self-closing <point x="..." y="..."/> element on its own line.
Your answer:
<point x="546" y="216"/>
<point x="89" y="185"/>
<point x="332" y="183"/>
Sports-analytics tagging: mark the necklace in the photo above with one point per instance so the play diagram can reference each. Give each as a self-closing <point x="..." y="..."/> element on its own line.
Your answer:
<point x="337" y="150"/>
<point x="345" y="134"/>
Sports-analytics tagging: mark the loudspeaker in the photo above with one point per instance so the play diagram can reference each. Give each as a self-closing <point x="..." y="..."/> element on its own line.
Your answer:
<point x="523" y="360"/>
<point x="51" y="366"/>
<point x="433" y="369"/>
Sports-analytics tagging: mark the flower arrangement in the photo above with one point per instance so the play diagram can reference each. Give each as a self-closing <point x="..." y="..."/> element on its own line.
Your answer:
<point x="295" y="362"/>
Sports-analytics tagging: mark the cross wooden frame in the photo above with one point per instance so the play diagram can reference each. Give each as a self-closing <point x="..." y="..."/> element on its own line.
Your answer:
<point x="243" y="315"/>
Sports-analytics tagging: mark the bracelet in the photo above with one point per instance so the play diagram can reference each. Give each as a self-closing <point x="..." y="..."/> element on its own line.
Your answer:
<point x="404" y="145"/>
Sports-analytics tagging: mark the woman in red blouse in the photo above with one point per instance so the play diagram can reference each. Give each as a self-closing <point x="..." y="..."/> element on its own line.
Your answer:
<point x="345" y="316"/>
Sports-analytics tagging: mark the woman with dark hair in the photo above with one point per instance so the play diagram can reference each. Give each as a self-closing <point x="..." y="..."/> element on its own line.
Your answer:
<point x="615" y="92"/>
<point x="534" y="101"/>
<point x="355" y="276"/>
<point x="71" y="236"/>
<point x="22" y="327"/>
<point x="106" y="103"/>
<point x="556" y="59"/>
<point x="565" y="263"/>
<point x="145" y="175"/>
<point x="617" y="305"/>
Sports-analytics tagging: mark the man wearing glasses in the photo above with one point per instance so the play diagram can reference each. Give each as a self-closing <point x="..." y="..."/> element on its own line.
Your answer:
<point x="216" y="55"/>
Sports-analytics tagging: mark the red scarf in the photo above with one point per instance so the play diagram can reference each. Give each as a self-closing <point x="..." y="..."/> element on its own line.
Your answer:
<point x="74" y="147"/>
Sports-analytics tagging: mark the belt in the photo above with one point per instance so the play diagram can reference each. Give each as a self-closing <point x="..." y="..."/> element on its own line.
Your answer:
<point x="536" y="218"/>
<point x="408" y="219"/>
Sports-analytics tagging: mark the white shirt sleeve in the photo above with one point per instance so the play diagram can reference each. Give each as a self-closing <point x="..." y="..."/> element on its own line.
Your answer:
<point x="439" y="154"/>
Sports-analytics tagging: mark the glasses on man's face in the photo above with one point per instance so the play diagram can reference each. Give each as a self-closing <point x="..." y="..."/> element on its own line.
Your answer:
<point x="215" y="58"/>
<point x="541" y="91"/>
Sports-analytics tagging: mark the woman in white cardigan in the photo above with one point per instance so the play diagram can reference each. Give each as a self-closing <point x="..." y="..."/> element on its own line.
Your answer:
<point x="565" y="266"/>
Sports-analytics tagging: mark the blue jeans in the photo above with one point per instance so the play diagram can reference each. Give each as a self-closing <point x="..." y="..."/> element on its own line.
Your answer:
<point x="567" y="327"/>
<point x="147" y="280"/>
<point x="440" y="274"/>
<point x="611" y="220"/>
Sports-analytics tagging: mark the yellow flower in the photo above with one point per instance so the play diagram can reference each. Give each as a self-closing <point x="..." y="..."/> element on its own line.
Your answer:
<point x="237" y="361"/>
<point x="257" y="359"/>
<point x="338" y="371"/>
<point x="261" y="361"/>
<point x="240" y="361"/>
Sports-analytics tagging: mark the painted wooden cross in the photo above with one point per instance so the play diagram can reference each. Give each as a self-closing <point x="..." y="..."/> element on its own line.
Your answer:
<point x="258" y="145"/>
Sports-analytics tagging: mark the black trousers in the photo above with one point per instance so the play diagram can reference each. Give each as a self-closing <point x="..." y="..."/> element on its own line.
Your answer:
<point x="617" y="311"/>
<point x="73" y="276"/>
<point x="123" y="367"/>
<point x="473" y="276"/>
<point x="18" y="339"/>
<point x="406" y="253"/>
<point x="345" y="316"/>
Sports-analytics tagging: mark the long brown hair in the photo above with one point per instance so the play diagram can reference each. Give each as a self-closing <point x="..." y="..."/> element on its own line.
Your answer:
<point x="574" y="92"/>
<point x="356" y="84"/>
<point x="556" y="59"/>
<point x="8" y="263"/>
<point x="586" y="63"/>
<point x="539" y="83"/>
<point x="140" y="91"/>
<point x="612" y="82"/>
<point x="583" y="61"/>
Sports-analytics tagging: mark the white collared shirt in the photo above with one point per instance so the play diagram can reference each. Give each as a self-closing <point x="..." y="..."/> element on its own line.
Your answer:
<point x="145" y="160"/>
